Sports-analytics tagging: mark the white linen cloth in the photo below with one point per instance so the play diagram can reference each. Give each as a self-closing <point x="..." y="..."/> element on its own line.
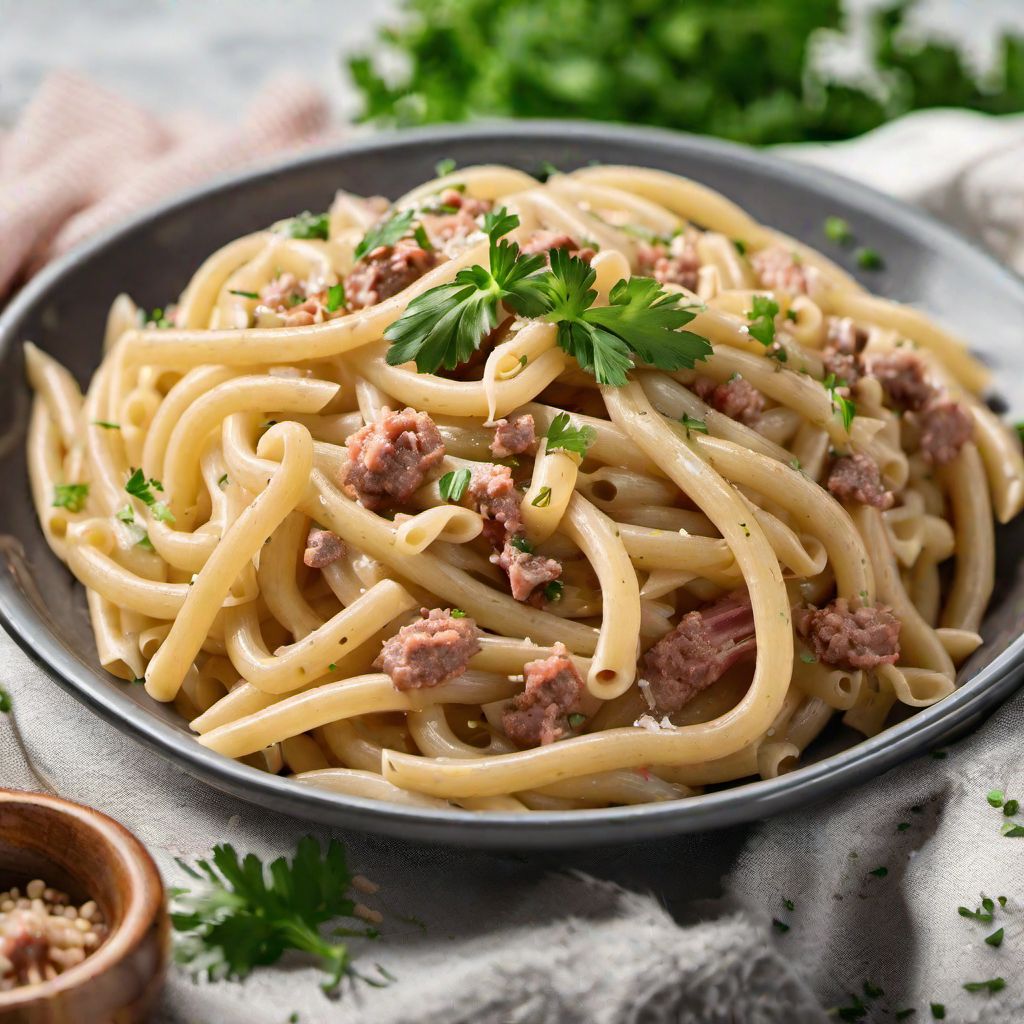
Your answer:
<point x="664" y="932"/>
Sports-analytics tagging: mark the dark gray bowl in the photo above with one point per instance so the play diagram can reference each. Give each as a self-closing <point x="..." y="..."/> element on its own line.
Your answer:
<point x="63" y="311"/>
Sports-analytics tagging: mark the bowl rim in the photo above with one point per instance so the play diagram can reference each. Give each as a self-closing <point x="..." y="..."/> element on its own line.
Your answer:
<point x="144" y="904"/>
<point x="926" y="728"/>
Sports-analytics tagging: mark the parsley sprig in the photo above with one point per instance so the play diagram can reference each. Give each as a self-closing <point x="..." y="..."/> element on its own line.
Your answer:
<point x="445" y="325"/>
<point x="840" y="403"/>
<point x="306" y="225"/>
<point x="139" y="487"/>
<point x="386" y="232"/>
<point x="70" y="496"/>
<point x="243" y="915"/>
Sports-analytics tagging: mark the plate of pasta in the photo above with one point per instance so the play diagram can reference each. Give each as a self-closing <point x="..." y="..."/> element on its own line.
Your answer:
<point x="539" y="484"/>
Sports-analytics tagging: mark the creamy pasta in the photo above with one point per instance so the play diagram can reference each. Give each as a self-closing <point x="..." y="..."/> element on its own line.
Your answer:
<point x="514" y="495"/>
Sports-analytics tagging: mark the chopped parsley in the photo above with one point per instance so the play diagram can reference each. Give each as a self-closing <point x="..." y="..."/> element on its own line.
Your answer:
<point x="872" y="991"/>
<point x="444" y="167"/>
<point x="838" y="230"/>
<point x="576" y="720"/>
<point x="780" y="926"/>
<point x="244" y="295"/>
<point x="1011" y="831"/>
<point x="807" y="658"/>
<point x="868" y="259"/>
<point x="996" y="798"/>
<point x="521" y="544"/>
<point x="386" y="233"/>
<point x="904" y="1014"/>
<point x="336" y="297"/>
<point x="144" y="542"/>
<point x="106" y="424"/>
<point x="422" y="238"/>
<point x="984" y="913"/>
<point x="938" y="1011"/>
<point x="840" y="403"/>
<point x="563" y="435"/>
<point x="543" y="498"/>
<point x="857" y="1010"/>
<point x="446" y="324"/>
<point x="992" y="985"/>
<point x="70" y="496"/>
<point x="903" y="826"/>
<point x="453" y="485"/>
<point x="5" y="702"/>
<point x="156" y="318"/>
<point x="547" y="169"/>
<point x="458" y="613"/>
<point x="762" y="313"/>
<point x="333" y="667"/>
<point x="740" y="246"/>
<point x="223" y="481"/>
<point x="139" y="487"/>
<point x="1011" y="807"/>
<point x="242" y="914"/>
<point x="789" y="905"/>
<point x="995" y="939"/>
<point x="307" y="225"/>
<point x="553" y="591"/>
<point x="691" y="423"/>
<point x="879" y="872"/>
<point x="795" y="464"/>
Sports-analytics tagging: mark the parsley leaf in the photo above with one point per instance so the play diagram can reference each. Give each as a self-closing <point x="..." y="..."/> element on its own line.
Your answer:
<point x="5" y="701"/>
<point x="563" y="435"/>
<point x="879" y="872"/>
<point x="576" y="720"/>
<point x="995" y="939"/>
<point x="521" y="544"/>
<point x="444" y="167"/>
<point x="444" y="326"/>
<point x="336" y="297"/>
<point x="139" y="487"/>
<point x="691" y="423"/>
<point x="938" y="1011"/>
<point x="553" y="591"/>
<point x="242" y="914"/>
<point x="780" y="926"/>
<point x="543" y="498"/>
<point x="869" y="259"/>
<point x="106" y="424"/>
<point x="762" y="313"/>
<point x="70" y="496"/>
<point x="307" y="225"/>
<point x="386" y="232"/>
<point x="458" y="613"/>
<point x="996" y="798"/>
<point x="244" y="295"/>
<point x="840" y="403"/>
<point x="453" y="485"/>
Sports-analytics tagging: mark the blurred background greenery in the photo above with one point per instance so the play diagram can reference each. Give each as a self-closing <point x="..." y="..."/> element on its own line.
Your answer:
<point x="741" y="69"/>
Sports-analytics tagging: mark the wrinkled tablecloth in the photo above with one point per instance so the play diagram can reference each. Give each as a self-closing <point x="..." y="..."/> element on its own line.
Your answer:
<point x="851" y="903"/>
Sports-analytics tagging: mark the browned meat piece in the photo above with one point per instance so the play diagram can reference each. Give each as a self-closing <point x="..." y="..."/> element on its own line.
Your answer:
<point x="946" y="426"/>
<point x="454" y="217"/>
<point x="389" y="459"/>
<point x="322" y="548"/>
<point x="699" y="650"/>
<point x="526" y="571"/>
<point x="841" y="353"/>
<point x="513" y="438"/>
<point x="541" y="713"/>
<point x="493" y="491"/>
<point x="901" y="375"/>
<point x="386" y="271"/>
<point x="284" y="292"/>
<point x="856" y="478"/>
<point x="736" y="398"/>
<point x="544" y="241"/>
<point x="431" y="651"/>
<point x="676" y="264"/>
<point x="851" y="639"/>
<point x="781" y="269"/>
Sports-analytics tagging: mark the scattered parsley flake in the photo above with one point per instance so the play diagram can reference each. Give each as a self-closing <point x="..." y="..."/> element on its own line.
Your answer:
<point x="996" y="798"/>
<point x="762" y="313"/>
<point x="795" y="464"/>
<point x="332" y="667"/>
<point x="904" y="1014"/>
<point x="807" y="658"/>
<point x="938" y="1011"/>
<point x="70" y="496"/>
<point x="106" y="424"/>
<point x="872" y="991"/>
<point x="444" y="167"/>
<point x="1011" y="807"/>
<point x="792" y="317"/>
<point x="5" y="702"/>
<point x="336" y="297"/>
<point x="385" y="233"/>
<point x="138" y="681"/>
<point x="422" y="238"/>
<point x="458" y="613"/>
<point x="244" y="295"/>
<point x="840" y="403"/>
<point x="879" y="872"/>
<point x="903" y="826"/>
<point x="222" y="482"/>
<point x="746" y="529"/>
<point x="576" y="720"/>
<point x="740" y="246"/>
<point x="546" y="170"/>
<point x="139" y="487"/>
<point x="868" y="259"/>
<point x="543" y="498"/>
<point x="453" y="485"/>
<point x="307" y="225"/>
<point x="789" y="905"/>
<point x="145" y="543"/>
<point x="780" y="926"/>
<point x="1012" y="831"/>
<point x="995" y="939"/>
<point x="855" y="1011"/>
<point x="563" y="435"/>
<point x="691" y="423"/>
<point x="521" y="544"/>
<point x="553" y="591"/>
<point x="992" y="985"/>
<point x="838" y="230"/>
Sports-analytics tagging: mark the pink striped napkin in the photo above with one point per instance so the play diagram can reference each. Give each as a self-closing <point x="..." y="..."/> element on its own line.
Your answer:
<point x="82" y="158"/>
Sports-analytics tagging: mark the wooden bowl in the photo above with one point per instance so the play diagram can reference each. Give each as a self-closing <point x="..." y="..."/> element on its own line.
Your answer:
<point x="88" y="855"/>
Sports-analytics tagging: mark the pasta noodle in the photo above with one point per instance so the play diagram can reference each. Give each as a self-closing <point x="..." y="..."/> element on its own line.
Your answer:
<point x="648" y="561"/>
